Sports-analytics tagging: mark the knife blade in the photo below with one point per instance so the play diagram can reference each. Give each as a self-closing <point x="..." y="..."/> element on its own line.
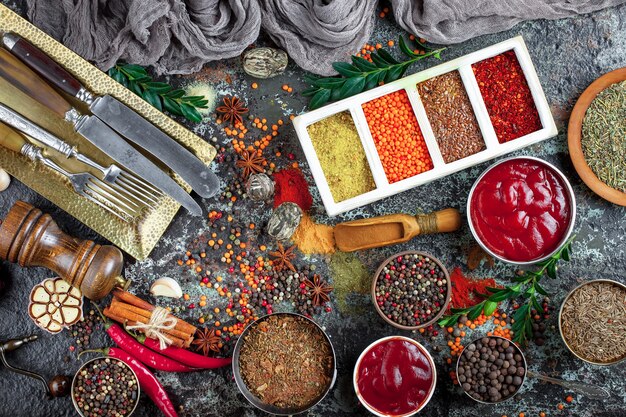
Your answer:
<point x="94" y="130"/>
<point x="120" y="117"/>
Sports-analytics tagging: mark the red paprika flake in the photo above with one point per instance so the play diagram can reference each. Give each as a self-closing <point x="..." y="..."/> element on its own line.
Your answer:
<point x="290" y="185"/>
<point x="507" y="96"/>
<point x="465" y="291"/>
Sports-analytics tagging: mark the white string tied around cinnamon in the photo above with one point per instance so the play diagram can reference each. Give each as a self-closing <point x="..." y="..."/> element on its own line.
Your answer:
<point x="159" y="320"/>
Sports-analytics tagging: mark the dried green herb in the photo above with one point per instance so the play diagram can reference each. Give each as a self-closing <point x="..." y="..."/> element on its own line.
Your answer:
<point x="362" y="75"/>
<point x="160" y="95"/>
<point x="604" y="136"/>
<point x="527" y="287"/>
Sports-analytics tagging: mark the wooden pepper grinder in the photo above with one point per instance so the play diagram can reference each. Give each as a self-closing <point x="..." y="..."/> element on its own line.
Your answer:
<point x="31" y="238"/>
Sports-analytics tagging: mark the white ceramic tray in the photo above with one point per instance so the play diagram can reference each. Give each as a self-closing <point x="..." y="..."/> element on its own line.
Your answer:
<point x="441" y="169"/>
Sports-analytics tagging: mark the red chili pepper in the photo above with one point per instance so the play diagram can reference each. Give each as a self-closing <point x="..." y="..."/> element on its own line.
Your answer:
<point x="149" y="357"/>
<point x="148" y="382"/>
<point x="184" y="356"/>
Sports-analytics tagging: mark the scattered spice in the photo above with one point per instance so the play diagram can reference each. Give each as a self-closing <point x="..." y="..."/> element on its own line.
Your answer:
<point x="508" y="98"/>
<point x="291" y="186"/>
<point x="206" y="341"/>
<point x="411" y="289"/>
<point x="465" y="291"/>
<point x="476" y="256"/>
<point x="350" y="276"/>
<point x="251" y="162"/>
<point x="603" y="136"/>
<point x="451" y="116"/>
<point x="283" y="257"/>
<point x="314" y="238"/>
<point x="286" y="361"/>
<point x="342" y="157"/>
<point x="319" y="290"/>
<point x="205" y="90"/>
<point x="593" y="322"/>
<point x="232" y="110"/>
<point x="397" y="136"/>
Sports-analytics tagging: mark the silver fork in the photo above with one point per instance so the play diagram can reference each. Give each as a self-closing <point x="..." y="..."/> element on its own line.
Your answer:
<point x="108" y="196"/>
<point x="135" y="187"/>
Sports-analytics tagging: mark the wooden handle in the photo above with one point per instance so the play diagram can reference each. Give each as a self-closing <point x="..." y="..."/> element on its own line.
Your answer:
<point x="31" y="238"/>
<point x="10" y="139"/>
<point x="442" y="221"/>
<point x="22" y="77"/>
<point x="41" y="63"/>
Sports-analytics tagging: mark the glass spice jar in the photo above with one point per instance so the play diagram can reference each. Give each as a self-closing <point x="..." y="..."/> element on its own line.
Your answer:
<point x="259" y="187"/>
<point x="284" y="221"/>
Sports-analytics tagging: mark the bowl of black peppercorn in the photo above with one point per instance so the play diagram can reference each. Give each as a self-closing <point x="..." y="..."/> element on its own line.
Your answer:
<point x="411" y="290"/>
<point x="491" y="369"/>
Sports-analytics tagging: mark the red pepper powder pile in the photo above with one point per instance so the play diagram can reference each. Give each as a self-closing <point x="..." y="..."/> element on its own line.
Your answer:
<point x="465" y="290"/>
<point x="507" y="96"/>
<point x="290" y="185"/>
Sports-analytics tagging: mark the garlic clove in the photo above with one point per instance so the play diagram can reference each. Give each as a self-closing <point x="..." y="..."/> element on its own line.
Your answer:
<point x="166" y="287"/>
<point x="5" y="180"/>
<point x="38" y="310"/>
<point x="55" y="304"/>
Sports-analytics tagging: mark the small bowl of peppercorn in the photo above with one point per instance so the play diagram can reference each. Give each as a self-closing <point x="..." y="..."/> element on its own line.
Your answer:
<point x="411" y="290"/>
<point x="105" y="387"/>
<point x="491" y="369"/>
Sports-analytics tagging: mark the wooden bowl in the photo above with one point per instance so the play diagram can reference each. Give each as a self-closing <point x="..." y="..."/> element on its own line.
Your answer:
<point x="574" y="136"/>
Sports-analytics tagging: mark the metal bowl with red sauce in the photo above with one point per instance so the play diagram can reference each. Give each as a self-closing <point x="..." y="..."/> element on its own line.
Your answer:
<point x="521" y="210"/>
<point x="395" y="377"/>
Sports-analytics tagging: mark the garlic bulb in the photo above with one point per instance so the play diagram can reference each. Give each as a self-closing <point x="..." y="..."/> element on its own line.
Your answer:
<point x="166" y="287"/>
<point x="55" y="304"/>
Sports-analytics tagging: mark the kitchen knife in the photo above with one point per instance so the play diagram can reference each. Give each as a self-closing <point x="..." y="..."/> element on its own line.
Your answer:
<point x="120" y="117"/>
<point x="93" y="129"/>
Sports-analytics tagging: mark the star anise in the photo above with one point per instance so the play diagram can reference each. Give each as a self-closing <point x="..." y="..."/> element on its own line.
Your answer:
<point x="319" y="290"/>
<point x="232" y="110"/>
<point x="283" y="257"/>
<point x="251" y="163"/>
<point x="207" y="341"/>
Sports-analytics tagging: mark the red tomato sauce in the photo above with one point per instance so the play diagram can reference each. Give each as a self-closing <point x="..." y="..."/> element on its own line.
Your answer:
<point x="520" y="210"/>
<point x="395" y="377"/>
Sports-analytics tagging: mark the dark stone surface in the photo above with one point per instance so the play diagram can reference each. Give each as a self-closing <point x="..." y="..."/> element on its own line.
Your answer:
<point x="568" y="54"/>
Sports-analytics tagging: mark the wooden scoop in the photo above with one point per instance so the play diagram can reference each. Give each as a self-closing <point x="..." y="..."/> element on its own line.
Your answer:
<point x="393" y="228"/>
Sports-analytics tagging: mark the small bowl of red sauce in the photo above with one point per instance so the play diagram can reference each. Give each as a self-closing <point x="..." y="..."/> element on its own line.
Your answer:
<point x="521" y="210"/>
<point x="395" y="377"/>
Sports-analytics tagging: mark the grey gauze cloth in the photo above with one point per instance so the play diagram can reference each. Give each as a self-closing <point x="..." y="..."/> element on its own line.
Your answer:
<point x="175" y="36"/>
<point x="452" y="21"/>
<point x="316" y="33"/>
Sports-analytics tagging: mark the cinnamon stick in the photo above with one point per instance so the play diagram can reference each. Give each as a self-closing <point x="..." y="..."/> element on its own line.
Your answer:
<point x="177" y="342"/>
<point x="181" y="325"/>
<point x="129" y="298"/>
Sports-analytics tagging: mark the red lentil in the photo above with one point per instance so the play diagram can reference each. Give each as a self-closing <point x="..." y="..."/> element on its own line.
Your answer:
<point x="397" y="136"/>
<point x="507" y="96"/>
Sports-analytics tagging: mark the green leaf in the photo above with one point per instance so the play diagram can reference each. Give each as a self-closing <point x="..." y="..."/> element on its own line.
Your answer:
<point x="331" y="82"/>
<point x="346" y="69"/>
<point x="371" y="80"/>
<point x="190" y="113"/>
<point x="540" y="289"/>
<point x="380" y="62"/>
<point x="448" y="321"/>
<point x="490" y="307"/>
<point x="363" y="64"/>
<point x="475" y="311"/>
<point x="460" y="311"/>
<point x="153" y="98"/>
<point x="174" y="94"/>
<point x="319" y="99"/>
<point x="172" y="106"/>
<point x="387" y="56"/>
<point x="565" y="254"/>
<point x="310" y="91"/>
<point x="504" y="295"/>
<point x="352" y="86"/>
<point x="199" y="104"/>
<point x="536" y="304"/>
<point x="135" y="88"/>
<point x="495" y="290"/>
<point x="552" y="270"/>
<point x="158" y="87"/>
<point x="404" y="48"/>
<point x="520" y="278"/>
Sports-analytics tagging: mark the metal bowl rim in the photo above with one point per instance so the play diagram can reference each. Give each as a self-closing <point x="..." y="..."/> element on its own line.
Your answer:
<point x="570" y="227"/>
<point x="367" y="349"/>
<point x="243" y="388"/>
<point x="443" y="307"/>
<point x="619" y="284"/>
<point x="458" y="361"/>
<point x="78" y="410"/>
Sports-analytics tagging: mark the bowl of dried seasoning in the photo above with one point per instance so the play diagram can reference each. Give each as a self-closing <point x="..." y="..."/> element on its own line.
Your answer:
<point x="596" y="131"/>
<point x="284" y="363"/>
<point x="411" y="290"/>
<point x="592" y="322"/>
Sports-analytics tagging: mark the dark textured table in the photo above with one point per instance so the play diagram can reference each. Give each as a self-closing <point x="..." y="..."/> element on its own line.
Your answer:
<point x="568" y="54"/>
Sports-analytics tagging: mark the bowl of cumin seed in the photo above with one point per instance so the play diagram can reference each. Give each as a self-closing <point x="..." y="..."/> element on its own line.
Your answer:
<point x="284" y="364"/>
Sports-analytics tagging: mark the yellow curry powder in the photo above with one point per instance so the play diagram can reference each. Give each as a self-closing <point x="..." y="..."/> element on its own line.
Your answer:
<point x="342" y="157"/>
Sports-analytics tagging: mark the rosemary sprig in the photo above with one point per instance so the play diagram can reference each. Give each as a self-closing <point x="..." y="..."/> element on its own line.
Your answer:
<point x="160" y="95"/>
<point x="363" y="75"/>
<point x="527" y="287"/>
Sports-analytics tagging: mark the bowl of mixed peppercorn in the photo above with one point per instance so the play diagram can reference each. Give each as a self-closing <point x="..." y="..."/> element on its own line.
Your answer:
<point x="411" y="290"/>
